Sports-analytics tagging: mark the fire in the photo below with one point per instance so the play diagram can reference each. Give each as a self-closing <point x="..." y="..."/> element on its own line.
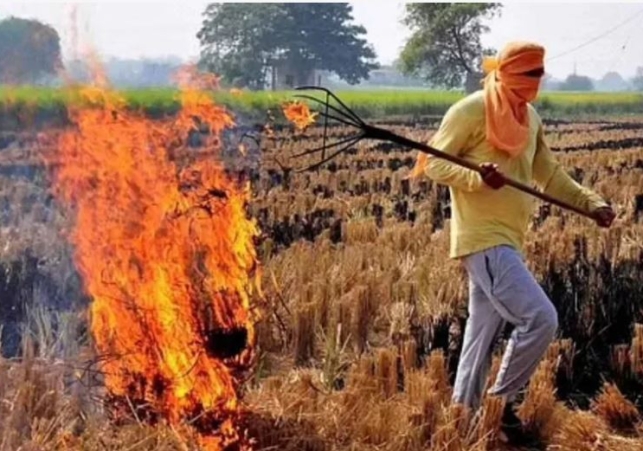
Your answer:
<point x="299" y="114"/>
<point x="166" y="252"/>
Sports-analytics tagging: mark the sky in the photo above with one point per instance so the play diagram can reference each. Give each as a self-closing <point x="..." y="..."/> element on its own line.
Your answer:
<point x="613" y="32"/>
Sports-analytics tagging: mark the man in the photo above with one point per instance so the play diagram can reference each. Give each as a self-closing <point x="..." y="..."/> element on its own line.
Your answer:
<point x="498" y="129"/>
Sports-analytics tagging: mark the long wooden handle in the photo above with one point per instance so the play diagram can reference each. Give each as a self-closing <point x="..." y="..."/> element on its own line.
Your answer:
<point x="382" y="134"/>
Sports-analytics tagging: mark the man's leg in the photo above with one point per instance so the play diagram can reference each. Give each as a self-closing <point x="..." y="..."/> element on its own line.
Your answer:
<point x="518" y="299"/>
<point x="482" y="328"/>
<point x="527" y="306"/>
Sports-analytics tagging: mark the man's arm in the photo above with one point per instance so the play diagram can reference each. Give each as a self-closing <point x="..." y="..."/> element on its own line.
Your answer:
<point x="452" y="138"/>
<point x="552" y="178"/>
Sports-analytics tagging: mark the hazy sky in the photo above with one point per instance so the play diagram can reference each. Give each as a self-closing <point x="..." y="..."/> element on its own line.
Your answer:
<point x="158" y="29"/>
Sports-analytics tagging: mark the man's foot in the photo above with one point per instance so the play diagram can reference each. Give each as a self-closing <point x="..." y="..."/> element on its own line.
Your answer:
<point x="512" y="431"/>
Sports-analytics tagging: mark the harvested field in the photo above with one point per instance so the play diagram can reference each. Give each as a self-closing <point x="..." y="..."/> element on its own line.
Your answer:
<point x="363" y="313"/>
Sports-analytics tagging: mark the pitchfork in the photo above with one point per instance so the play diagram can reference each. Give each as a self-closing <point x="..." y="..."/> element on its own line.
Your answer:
<point x="342" y="114"/>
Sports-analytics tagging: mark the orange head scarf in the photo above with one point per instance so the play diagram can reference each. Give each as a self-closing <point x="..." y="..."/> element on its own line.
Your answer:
<point x="506" y="94"/>
<point x="507" y="90"/>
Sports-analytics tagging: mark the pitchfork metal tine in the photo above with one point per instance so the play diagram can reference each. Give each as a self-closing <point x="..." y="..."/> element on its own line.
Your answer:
<point x="337" y="99"/>
<point x="347" y="121"/>
<point x="346" y="110"/>
<point x="330" y="157"/>
<point x="329" y="106"/>
<point x="330" y="146"/>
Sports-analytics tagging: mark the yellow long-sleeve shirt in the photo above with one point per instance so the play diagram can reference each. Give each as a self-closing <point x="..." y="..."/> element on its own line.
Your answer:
<point x="481" y="216"/>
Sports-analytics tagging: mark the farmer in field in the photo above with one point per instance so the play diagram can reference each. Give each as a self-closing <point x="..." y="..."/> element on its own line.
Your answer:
<point x="498" y="129"/>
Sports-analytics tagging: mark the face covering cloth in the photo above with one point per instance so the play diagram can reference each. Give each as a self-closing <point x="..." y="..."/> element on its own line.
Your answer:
<point x="507" y="89"/>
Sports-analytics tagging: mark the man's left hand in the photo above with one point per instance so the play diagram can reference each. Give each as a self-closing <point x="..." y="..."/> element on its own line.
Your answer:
<point x="604" y="216"/>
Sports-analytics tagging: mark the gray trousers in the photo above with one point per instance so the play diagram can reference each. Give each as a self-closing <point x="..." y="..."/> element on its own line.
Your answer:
<point x="502" y="289"/>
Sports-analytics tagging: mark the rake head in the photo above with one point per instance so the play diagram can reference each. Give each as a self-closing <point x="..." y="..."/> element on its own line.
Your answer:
<point x="334" y="110"/>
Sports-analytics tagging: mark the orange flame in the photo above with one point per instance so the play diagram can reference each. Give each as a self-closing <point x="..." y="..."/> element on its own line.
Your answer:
<point x="166" y="251"/>
<point x="299" y="114"/>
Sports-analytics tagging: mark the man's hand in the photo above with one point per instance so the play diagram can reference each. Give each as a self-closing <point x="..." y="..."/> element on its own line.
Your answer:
<point x="491" y="176"/>
<point x="604" y="216"/>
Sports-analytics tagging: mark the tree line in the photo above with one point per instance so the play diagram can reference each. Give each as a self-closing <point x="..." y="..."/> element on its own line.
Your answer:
<point x="281" y="45"/>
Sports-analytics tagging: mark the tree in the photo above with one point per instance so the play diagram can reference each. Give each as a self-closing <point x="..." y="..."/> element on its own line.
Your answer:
<point x="637" y="81"/>
<point x="611" y="82"/>
<point x="575" y="82"/>
<point x="445" y="46"/>
<point x="238" y="39"/>
<point x="242" y="41"/>
<point x="549" y="83"/>
<point x="29" y="50"/>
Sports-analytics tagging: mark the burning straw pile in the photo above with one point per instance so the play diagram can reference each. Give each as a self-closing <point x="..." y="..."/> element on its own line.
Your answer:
<point x="166" y="252"/>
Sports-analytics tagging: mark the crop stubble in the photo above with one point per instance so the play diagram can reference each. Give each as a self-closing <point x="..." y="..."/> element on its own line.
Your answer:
<point x="360" y="288"/>
<point x="364" y="313"/>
